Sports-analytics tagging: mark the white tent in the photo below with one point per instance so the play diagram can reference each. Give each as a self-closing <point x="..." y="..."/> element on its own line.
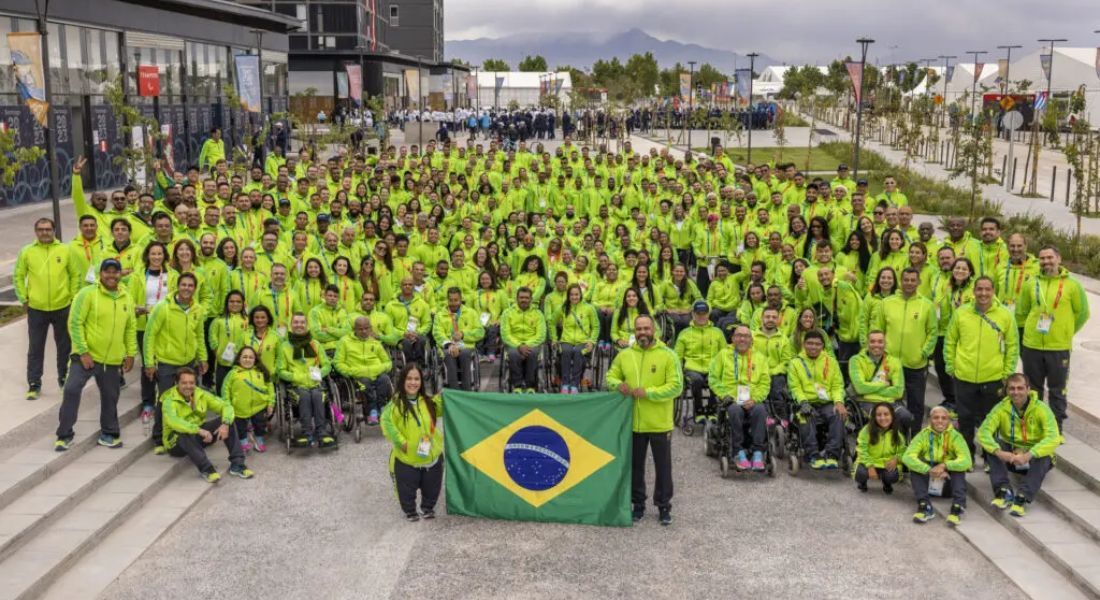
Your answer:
<point x="962" y="80"/>
<point x="521" y="86"/>
<point x="1071" y="68"/>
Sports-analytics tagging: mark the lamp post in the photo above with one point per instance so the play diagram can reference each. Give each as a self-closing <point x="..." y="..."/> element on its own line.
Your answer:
<point x="752" y="61"/>
<point x="863" y="43"/>
<point x="974" y="85"/>
<point x="1008" y="65"/>
<point x="1035" y="118"/>
<point x="691" y="101"/>
<point x="477" y="93"/>
<point x="946" y="67"/>
<point x="51" y="120"/>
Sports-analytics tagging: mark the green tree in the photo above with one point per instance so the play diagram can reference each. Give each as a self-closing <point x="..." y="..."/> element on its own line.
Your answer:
<point x="708" y="75"/>
<point x="532" y="64"/>
<point x="669" y="80"/>
<point x="495" y="64"/>
<point x="14" y="157"/>
<point x="643" y="73"/>
<point x="802" y="81"/>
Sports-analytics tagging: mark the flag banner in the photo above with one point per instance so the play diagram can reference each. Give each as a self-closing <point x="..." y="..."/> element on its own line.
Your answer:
<point x="355" y="83"/>
<point x="559" y="82"/>
<point x="471" y="86"/>
<point x="685" y="85"/>
<point x="341" y="84"/>
<point x="901" y="76"/>
<point x="950" y="72"/>
<point x="539" y="457"/>
<point x="26" y="58"/>
<point x="978" y="68"/>
<point x="1044" y="62"/>
<point x="742" y="78"/>
<point x="855" y="73"/>
<point x="248" y="81"/>
<point x="1040" y="101"/>
<point x="1098" y="63"/>
<point x="499" y="83"/>
<point x="148" y="80"/>
<point x="412" y="84"/>
<point x="1002" y="68"/>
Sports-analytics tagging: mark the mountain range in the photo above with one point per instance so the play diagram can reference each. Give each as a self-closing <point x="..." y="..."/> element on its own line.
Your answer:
<point x="580" y="50"/>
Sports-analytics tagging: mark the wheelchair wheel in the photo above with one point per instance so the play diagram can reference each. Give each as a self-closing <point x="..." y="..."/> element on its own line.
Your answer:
<point x="773" y="465"/>
<point x="778" y="441"/>
<point x="724" y="466"/>
<point x="687" y="426"/>
<point x="710" y="439"/>
<point x="793" y="464"/>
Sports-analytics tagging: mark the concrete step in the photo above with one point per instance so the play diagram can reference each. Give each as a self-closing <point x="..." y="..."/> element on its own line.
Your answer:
<point x="1022" y="565"/>
<point x="37" y="461"/>
<point x="1072" y="501"/>
<point x="1080" y="461"/>
<point x="29" y="570"/>
<point x="1063" y="546"/>
<point x="96" y="570"/>
<point x="49" y="500"/>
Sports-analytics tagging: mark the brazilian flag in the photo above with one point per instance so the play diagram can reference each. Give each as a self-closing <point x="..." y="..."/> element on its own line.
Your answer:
<point x="538" y="457"/>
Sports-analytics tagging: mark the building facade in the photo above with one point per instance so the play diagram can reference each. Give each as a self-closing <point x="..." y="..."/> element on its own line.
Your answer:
<point x="416" y="28"/>
<point x="191" y="43"/>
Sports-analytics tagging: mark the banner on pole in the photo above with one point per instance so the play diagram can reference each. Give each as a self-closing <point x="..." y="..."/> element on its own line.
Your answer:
<point x="978" y="68"/>
<point x="685" y="85"/>
<point x="248" y="81"/>
<point x="741" y="78"/>
<point x="1002" y="68"/>
<point x="950" y="72"/>
<point x="1098" y="63"/>
<point x="341" y="84"/>
<point x="559" y="82"/>
<point x="148" y="80"/>
<point x="471" y="86"/>
<point x="412" y="84"/>
<point x="26" y="58"/>
<point x="355" y="83"/>
<point x="499" y="83"/>
<point x="855" y="73"/>
<point x="1044" y="62"/>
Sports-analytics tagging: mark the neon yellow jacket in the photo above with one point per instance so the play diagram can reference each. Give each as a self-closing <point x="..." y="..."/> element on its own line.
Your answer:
<point x="656" y="370"/>
<point x="730" y="369"/>
<point x="405" y="430"/>
<point x="805" y="374"/>
<point x="360" y="358"/>
<point x="876" y="381"/>
<point x="929" y="448"/>
<point x="724" y="294"/>
<point x="522" y="327"/>
<point x="698" y="345"/>
<point x="46" y="277"/>
<point x="174" y="334"/>
<point x="181" y="418"/>
<point x="248" y="392"/>
<point x="328" y="325"/>
<point x="223" y="330"/>
<point x="1061" y="297"/>
<point x="581" y="326"/>
<point x="980" y="349"/>
<point x="468" y="322"/>
<point x="296" y="372"/>
<point x="381" y="324"/>
<point x="1035" y="431"/>
<point x="777" y="347"/>
<point x="910" y="327"/>
<point x="415" y="311"/>
<point x="102" y="323"/>
<point x="876" y="455"/>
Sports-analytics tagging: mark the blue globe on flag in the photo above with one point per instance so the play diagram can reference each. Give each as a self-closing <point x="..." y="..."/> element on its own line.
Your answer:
<point x="536" y="458"/>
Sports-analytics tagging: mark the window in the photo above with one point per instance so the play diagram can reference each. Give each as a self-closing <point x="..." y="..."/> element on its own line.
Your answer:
<point x="393" y="15"/>
<point x="300" y="14"/>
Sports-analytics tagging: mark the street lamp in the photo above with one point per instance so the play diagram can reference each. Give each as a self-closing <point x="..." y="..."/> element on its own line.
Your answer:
<point x="863" y="43"/>
<point x="946" y="67"/>
<point x="1008" y="65"/>
<point x="752" y="61"/>
<point x="477" y="92"/>
<point x="51" y="120"/>
<point x="691" y="101"/>
<point x="1050" y="71"/>
<point x="974" y="85"/>
<point x="1035" y="118"/>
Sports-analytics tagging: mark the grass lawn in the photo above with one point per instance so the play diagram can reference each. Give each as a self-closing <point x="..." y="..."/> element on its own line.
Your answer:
<point x="819" y="160"/>
<point x="10" y="313"/>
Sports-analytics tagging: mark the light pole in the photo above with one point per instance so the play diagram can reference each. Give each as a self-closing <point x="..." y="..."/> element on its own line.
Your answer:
<point x="752" y="61"/>
<point x="1008" y="65"/>
<point x="863" y="43"/>
<point x="477" y="93"/>
<point x="691" y="101"/>
<point x="974" y="85"/>
<point x="51" y="120"/>
<point x="946" y="67"/>
<point x="1035" y="118"/>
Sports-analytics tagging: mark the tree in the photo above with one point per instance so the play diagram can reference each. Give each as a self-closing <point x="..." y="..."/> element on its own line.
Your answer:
<point x="532" y="64"/>
<point x="669" y="80"/>
<point x="802" y="81"/>
<point x="495" y="64"/>
<point x="133" y="159"/>
<point x="14" y="157"/>
<point x="707" y="75"/>
<point x="643" y="73"/>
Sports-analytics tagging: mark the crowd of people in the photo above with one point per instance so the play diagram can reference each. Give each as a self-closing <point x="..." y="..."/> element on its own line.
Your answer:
<point x="747" y="291"/>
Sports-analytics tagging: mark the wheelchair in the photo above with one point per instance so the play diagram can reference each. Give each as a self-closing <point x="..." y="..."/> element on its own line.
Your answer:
<point x="592" y="377"/>
<point x="716" y="442"/>
<point x="504" y="382"/>
<point x="287" y="415"/>
<point x="438" y="370"/>
<point x="350" y="397"/>
<point x="848" y="444"/>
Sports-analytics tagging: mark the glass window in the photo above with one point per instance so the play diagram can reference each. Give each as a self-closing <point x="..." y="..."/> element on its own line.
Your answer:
<point x="394" y="20"/>
<point x="57" y="67"/>
<point x="110" y="54"/>
<point x="7" y="83"/>
<point x="96" y="69"/>
<point x="74" y="54"/>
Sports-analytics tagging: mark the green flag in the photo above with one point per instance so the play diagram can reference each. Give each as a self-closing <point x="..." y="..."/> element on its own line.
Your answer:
<point x="538" y="457"/>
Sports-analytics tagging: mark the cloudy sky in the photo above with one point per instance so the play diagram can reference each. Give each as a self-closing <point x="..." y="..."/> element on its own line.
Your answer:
<point x="797" y="31"/>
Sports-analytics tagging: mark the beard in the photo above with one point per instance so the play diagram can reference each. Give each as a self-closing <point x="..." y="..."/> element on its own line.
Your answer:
<point x="644" y="340"/>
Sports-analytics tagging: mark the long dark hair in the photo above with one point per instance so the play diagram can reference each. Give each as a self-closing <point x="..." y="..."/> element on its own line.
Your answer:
<point x="321" y="272"/>
<point x="567" y="306"/>
<point x="863" y="251"/>
<point x="623" y="308"/>
<point x="876" y="288"/>
<point x="259" y="365"/>
<point x="399" y="391"/>
<point x="874" y="431"/>
<point x="648" y="287"/>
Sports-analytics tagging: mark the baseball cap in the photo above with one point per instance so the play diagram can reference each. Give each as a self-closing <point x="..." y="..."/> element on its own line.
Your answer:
<point x="700" y="306"/>
<point x="323" y="217"/>
<point x="110" y="263"/>
<point x="284" y="201"/>
<point x="842" y="167"/>
<point x="861" y="182"/>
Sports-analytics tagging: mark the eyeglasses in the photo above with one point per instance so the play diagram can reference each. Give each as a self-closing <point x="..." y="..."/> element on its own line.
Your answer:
<point x="879" y="213"/>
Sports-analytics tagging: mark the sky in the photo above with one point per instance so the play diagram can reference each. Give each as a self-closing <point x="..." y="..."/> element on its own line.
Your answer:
<point x="798" y="31"/>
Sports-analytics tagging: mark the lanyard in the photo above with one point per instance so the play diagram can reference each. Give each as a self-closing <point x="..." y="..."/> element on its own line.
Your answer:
<point x="1057" y="296"/>
<point x="160" y="287"/>
<point x="258" y="342"/>
<point x="986" y="318"/>
<point x="881" y="364"/>
<point x="275" y="301"/>
<point x="1019" y="278"/>
<point x="932" y="447"/>
<point x="416" y="417"/>
<point x="737" y="366"/>
<point x="1012" y="426"/>
<point x="87" y="249"/>
<point x="455" y="317"/>
<point x="484" y="299"/>
<point x="810" y="375"/>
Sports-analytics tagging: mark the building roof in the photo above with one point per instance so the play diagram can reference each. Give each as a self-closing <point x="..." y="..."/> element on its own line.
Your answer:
<point x="235" y="12"/>
<point x="522" y="79"/>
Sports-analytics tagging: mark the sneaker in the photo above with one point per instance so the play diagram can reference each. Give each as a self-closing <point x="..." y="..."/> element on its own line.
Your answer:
<point x="1003" y="499"/>
<point x="158" y="450"/>
<point x="241" y="471"/>
<point x="887" y="489"/>
<point x="637" y="514"/>
<point x="564" y="389"/>
<point x="245" y="446"/>
<point x="1019" y="507"/>
<point x="700" y="419"/>
<point x="665" y="517"/>
<point x="925" y="513"/>
<point x="327" y="441"/>
<point x="62" y="445"/>
<point x="146" y="415"/>
<point x="61" y="383"/>
<point x="259" y="445"/>
<point x="109" y="441"/>
<point x="33" y="393"/>
<point x="817" y="463"/>
<point x="742" y="461"/>
<point x="492" y="358"/>
<point x="862" y="486"/>
<point x="575" y="390"/>
<point x="955" y="517"/>
<point x="412" y="517"/>
<point x="757" y="461"/>
<point x="428" y="514"/>
<point x="831" y="464"/>
<point x="211" y="477"/>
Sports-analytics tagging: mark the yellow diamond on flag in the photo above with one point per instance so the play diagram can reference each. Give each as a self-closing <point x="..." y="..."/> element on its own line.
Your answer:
<point x="536" y="458"/>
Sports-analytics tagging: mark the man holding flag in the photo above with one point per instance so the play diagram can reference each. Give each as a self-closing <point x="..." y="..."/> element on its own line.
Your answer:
<point x="649" y="372"/>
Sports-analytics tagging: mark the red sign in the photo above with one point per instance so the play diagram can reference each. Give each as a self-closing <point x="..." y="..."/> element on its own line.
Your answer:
<point x="148" y="80"/>
<point x="855" y="72"/>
